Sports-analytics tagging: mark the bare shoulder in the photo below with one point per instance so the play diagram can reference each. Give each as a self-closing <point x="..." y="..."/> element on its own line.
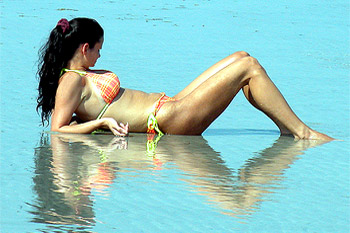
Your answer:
<point x="71" y="79"/>
<point x="71" y="85"/>
<point x="70" y="89"/>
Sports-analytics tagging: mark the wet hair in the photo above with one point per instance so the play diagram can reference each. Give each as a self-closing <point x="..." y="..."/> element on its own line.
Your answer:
<point x="56" y="52"/>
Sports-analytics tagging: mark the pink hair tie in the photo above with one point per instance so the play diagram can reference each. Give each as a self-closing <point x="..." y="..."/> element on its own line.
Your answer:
<point x="64" y="24"/>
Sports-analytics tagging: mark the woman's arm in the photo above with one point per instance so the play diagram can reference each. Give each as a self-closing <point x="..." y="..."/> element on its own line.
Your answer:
<point x="68" y="98"/>
<point x="90" y="126"/>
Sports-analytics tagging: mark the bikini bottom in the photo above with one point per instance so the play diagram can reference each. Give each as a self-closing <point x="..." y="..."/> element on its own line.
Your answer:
<point x="152" y="123"/>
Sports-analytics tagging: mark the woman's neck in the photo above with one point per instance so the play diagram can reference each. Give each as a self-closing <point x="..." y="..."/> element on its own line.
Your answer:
<point x="76" y="64"/>
<point x="76" y="67"/>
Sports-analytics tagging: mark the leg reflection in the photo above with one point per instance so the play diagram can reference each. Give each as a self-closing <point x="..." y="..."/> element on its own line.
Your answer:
<point x="70" y="166"/>
<point x="237" y="193"/>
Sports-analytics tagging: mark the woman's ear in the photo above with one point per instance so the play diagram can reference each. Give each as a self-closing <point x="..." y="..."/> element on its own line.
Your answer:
<point x="84" y="48"/>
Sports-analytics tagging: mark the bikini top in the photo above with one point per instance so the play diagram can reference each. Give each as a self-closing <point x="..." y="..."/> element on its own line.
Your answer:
<point x="107" y="83"/>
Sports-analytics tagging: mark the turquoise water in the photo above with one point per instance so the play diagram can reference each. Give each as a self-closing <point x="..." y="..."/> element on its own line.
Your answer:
<point x="238" y="177"/>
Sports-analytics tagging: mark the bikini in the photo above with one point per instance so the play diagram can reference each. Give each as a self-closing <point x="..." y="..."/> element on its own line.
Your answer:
<point x="108" y="85"/>
<point x="152" y="123"/>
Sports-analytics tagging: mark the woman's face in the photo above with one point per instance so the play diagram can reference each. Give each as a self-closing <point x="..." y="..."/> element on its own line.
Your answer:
<point x="94" y="53"/>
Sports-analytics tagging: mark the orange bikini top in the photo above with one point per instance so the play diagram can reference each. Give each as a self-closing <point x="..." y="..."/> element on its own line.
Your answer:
<point x="107" y="83"/>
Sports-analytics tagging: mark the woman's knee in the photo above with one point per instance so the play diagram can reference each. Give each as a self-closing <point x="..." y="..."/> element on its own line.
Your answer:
<point x="237" y="56"/>
<point x="245" y="68"/>
<point x="240" y="54"/>
<point x="233" y="58"/>
<point x="251" y="64"/>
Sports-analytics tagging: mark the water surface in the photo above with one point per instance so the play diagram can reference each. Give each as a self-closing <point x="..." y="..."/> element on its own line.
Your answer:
<point x="239" y="176"/>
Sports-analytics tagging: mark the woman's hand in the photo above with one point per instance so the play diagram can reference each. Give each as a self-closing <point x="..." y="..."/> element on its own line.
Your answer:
<point x="117" y="129"/>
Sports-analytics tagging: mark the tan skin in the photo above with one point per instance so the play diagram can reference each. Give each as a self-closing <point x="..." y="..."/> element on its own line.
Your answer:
<point x="195" y="108"/>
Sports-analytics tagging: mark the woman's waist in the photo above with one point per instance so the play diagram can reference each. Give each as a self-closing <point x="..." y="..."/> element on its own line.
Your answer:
<point x="134" y="112"/>
<point x="133" y="107"/>
<point x="129" y="106"/>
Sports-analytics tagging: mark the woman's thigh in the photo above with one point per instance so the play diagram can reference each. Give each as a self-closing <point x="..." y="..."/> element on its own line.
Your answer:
<point x="210" y="72"/>
<point x="193" y="113"/>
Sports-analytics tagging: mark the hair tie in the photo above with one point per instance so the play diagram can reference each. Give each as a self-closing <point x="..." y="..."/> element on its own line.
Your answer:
<point x="64" y="24"/>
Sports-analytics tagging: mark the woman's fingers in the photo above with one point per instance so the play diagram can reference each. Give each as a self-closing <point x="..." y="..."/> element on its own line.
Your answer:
<point x="125" y="127"/>
<point x="120" y="130"/>
<point x="117" y="129"/>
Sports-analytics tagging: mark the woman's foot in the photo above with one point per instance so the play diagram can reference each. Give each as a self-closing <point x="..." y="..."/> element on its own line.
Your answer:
<point x="310" y="134"/>
<point x="314" y="135"/>
<point x="306" y="134"/>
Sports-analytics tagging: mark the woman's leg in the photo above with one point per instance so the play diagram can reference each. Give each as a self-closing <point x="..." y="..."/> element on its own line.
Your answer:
<point x="210" y="72"/>
<point x="194" y="112"/>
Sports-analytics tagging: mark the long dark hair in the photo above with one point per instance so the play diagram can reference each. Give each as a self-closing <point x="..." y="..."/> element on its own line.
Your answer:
<point x="55" y="54"/>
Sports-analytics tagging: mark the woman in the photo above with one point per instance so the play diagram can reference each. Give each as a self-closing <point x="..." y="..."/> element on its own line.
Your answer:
<point x="68" y="86"/>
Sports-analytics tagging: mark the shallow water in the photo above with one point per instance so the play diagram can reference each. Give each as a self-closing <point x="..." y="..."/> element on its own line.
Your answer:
<point x="238" y="176"/>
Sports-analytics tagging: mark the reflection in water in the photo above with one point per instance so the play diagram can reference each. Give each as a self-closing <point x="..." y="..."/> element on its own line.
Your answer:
<point x="70" y="169"/>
